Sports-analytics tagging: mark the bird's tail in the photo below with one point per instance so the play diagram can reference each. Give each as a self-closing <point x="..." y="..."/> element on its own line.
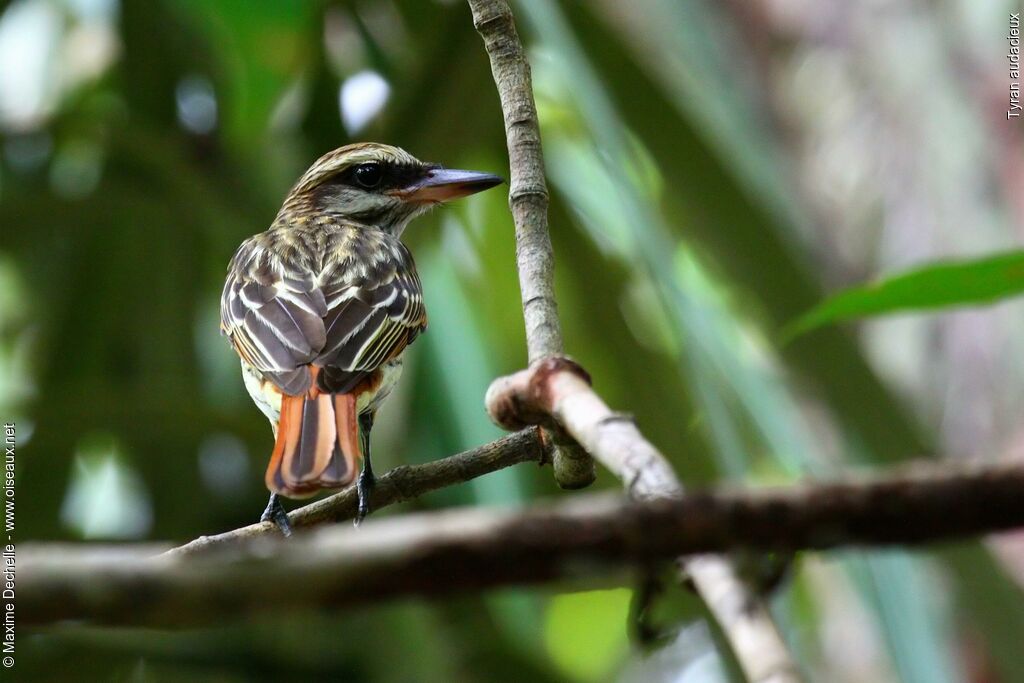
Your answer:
<point x="317" y="444"/>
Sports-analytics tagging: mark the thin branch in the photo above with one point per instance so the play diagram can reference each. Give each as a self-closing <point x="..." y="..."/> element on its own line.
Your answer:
<point x="528" y="191"/>
<point x="555" y="392"/>
<point x="400" y="484"/>
<point x="434" y="554"/>
<point x="528" y="201"/>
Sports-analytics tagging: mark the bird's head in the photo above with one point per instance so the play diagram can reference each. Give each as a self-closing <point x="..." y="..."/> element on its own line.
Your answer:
<point x="380" y="185"/>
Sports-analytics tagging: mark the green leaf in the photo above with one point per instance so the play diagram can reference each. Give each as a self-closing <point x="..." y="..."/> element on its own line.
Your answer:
<point x="959" y="283"/>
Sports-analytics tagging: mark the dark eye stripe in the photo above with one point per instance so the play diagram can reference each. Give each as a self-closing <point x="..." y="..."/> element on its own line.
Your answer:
<point x="393" y="176"/>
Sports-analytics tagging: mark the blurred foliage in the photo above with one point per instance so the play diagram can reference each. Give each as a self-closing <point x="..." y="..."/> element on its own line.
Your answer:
<point x="980" y="281"/>
<point x="703" y="197"/>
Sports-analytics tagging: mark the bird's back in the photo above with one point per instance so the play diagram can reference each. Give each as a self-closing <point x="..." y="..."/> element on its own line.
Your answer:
<point x="317" y="292"/>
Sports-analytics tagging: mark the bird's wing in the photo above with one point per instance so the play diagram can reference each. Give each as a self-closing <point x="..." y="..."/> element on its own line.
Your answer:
<point x="273" y="311"/>
<point x="286" y="306"/>
<point x="375" y="309"/>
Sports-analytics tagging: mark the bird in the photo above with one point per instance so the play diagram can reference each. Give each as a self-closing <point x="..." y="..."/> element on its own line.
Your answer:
<point x="321" y="306"/>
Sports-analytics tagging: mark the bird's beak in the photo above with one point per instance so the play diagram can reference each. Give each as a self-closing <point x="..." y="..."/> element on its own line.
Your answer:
<point x="443" y="184"/>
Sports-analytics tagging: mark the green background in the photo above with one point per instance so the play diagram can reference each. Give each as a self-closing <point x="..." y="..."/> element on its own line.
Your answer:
<point x="715" y="169"/>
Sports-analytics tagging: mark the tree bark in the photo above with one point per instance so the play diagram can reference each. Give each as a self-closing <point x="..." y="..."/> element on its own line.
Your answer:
<point x="400" y="484"/>
<point x="586" y="538"/>
<point x="528" y="201"/>
<point x="556" y="392"/>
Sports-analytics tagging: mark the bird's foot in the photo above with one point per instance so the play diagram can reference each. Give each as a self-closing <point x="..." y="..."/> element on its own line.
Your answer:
<point x="275" y="513"/>
<point x="364" y="489"/>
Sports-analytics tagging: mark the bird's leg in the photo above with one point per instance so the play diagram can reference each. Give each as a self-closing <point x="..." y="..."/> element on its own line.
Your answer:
<point x="275" y="513"/>
<point x="366" y="480"/>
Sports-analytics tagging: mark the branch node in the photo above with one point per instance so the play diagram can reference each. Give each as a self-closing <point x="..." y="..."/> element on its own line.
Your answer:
<point x="523" y="193"/>
<point x="524" y="398"/>
<point x="574" y="468"/>
<point x="541" y="372"/>
<point x="617" y="417"/>
<point x="489" y="23"/>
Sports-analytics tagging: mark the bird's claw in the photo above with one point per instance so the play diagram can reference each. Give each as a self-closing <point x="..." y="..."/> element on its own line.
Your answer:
<point x="364" y="489"/>
<point x="276" y="514"/>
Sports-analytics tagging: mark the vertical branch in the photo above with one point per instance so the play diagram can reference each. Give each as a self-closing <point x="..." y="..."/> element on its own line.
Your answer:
<point x="528" y="201"/>
<point x="528" y="191"/>
<point x="578" y="411"/>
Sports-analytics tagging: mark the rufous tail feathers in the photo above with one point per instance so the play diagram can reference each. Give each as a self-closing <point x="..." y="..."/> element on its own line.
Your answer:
<point x="317" y="444"/>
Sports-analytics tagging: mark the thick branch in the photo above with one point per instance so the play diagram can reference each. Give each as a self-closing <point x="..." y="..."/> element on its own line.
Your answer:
<point x="528" y="200"/>
<point x="400" y="484"/>
<point x="438" y="553"/>
<point x="555" y="392"/>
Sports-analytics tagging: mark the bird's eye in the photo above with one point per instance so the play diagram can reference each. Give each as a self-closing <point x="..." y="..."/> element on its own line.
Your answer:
<point x="369" y="175"/>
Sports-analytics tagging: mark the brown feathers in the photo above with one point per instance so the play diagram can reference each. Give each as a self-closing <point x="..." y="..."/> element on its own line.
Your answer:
<point x="344" y="298"/>
<point x="317" y="444"/>
<point x="347" y="427"/>
<point x="320" y="307"/>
